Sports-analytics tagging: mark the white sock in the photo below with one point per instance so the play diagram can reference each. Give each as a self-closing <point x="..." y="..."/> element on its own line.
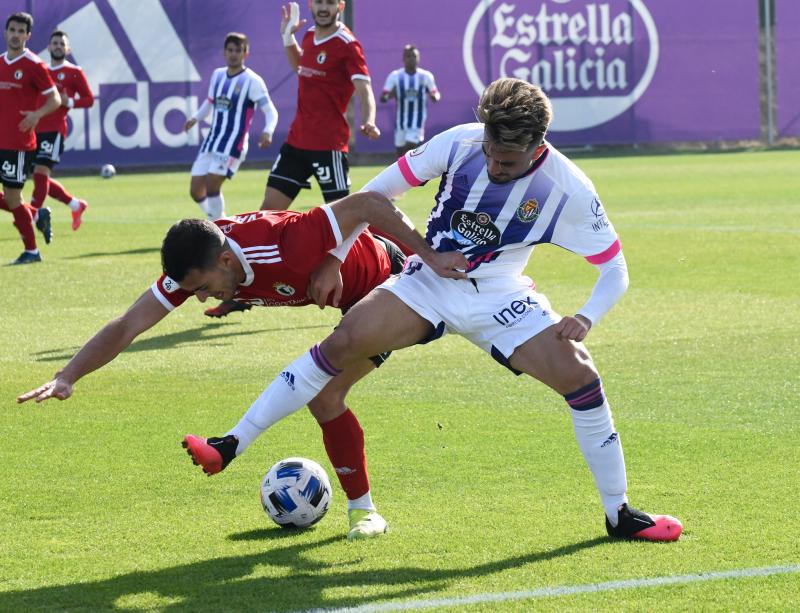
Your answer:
<point x="74" y="205"/>
<point x="602" y="450"/>
<point x="362" y="502"/>
<point x="289" y="392"/>
<point x="203" y="204"/>
<point x="216" y="206"/>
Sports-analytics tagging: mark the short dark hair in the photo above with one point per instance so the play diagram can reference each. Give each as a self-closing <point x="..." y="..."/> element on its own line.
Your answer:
<point x="515" y="114"/>
<point x="191" y="244"/>
<point x="238" y="38"/>
<point x="21" y="17"/>
<point x="59" y="33"/>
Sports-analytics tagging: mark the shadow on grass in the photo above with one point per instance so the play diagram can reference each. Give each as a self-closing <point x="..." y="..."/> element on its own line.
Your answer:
<point x="207" y="332"/>
<point x="96" y="254"/>
<point x="228" y="584"/>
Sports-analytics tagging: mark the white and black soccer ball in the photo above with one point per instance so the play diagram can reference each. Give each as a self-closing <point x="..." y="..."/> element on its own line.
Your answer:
<point x="108" y="171"/>
<point x="296" y="493"/>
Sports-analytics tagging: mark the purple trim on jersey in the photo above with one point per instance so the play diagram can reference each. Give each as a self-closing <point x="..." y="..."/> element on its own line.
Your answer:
<point x="548" y="234"/>
<point x="322" y="362"/>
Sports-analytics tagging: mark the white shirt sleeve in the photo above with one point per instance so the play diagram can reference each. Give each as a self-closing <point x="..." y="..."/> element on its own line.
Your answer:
<point x="391" y="81"/>
<point x="431" y="83"/>
<point x="611" y="285"/>
<point x="260" y="95"/>
<point x="203" y="111"/>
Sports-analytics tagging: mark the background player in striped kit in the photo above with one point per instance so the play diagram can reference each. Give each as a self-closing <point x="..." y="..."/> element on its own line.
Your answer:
<point x="52" y="132"/>
<point x="411" y="86"/>
<point x="233" y="92"/>
<point x="23" y="76"/>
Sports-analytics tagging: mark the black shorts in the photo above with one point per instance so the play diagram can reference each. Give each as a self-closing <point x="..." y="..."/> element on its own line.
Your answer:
<point x="293" y="168"/>
<point x="398" y="260"/>
<point x="49" y="147"/>
<point x="15" y="167"/>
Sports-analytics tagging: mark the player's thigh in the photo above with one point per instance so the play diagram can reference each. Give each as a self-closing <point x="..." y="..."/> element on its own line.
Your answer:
<point x="289" y="174"/>
<point x="330" y="402"/>
<point x="49" y="147"/>
<point x="378" y="323"/>
<point x="15" y="168"/>
<point x="275" y="200"/>
<point x="561" y="364"/>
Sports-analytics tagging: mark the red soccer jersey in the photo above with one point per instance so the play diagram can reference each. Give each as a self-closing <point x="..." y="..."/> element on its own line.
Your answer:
<point x="325" y="85"/>
<point x="280" y="249"/>
<point x="69" y="80"/>
<point x="21" y="81"/>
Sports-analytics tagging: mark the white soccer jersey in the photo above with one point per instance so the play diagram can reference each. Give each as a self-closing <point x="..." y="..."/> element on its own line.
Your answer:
<point x="496" y="225"/>
<point x="234" y="100"/>
<point x="412" y="96"/>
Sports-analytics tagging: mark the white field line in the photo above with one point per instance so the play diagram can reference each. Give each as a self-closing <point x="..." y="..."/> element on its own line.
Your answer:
<point x="564" y="590"/>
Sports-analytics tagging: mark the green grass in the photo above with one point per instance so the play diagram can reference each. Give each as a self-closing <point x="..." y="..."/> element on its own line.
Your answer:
<point x="101" y="509"/>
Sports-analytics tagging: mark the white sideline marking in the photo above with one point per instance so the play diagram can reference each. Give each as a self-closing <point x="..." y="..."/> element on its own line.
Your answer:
<point x="565" y="590"/>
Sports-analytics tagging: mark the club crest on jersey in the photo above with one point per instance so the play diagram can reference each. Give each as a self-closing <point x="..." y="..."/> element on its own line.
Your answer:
<point x="18" y="75"/>
<point x="528" y="211"/>
<point x="321" y="57"/>
<point x="60" y="76"/>
<point x="284" y="289"/>
<point x="226" y="229"/>
<point x="470" y="228"/>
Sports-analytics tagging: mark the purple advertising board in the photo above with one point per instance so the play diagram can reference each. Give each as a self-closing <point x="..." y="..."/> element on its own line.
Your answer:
<point x="618" y="71"/>
<point x="787" y="52"/>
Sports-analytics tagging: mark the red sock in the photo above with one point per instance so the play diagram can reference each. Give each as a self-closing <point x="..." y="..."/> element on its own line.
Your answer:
<point x="57" y="191"/>
<point x="344" y="442"/>
<point x="40" y="183"/>
<point x="23" y="220"/>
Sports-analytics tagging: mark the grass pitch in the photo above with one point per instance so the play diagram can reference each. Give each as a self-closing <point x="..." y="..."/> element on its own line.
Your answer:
<point x="476" y="471"/>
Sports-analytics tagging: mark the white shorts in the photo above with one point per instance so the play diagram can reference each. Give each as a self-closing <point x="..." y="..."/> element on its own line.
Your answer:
<point x="409" y="135"/>
<point x="212" y="163"/>
<point x="498" y="314"/>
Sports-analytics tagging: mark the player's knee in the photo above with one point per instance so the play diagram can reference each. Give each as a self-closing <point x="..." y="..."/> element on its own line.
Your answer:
<point x="197" y="194"/>
<point x="327" y="406"/>
<point x="342" y="346"/>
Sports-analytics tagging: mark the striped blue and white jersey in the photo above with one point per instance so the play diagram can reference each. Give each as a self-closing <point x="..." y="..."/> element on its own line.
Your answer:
<point x="412" y="92"/>
<point x="234" y="99"/>
<point x="497" y="225"/>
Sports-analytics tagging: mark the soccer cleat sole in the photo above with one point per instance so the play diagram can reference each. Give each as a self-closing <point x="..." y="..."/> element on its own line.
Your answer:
<point x="202" y="454"/>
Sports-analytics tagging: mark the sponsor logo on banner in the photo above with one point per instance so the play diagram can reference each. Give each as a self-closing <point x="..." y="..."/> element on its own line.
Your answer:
<point x="594" y="59"/>
<point x="137" y="118"/>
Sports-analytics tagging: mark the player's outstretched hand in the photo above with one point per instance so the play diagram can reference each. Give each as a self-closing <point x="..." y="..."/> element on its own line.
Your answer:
<point x="57" y="388"/>
<point x="189" y="124"/>
<point x="290" y="17"/>
<point x="371" y="131"/>
<point x="448" y="264"/>
<point x="573" y="328"/>
<point x="326" y="279"/>
<point x="265" y="140"/>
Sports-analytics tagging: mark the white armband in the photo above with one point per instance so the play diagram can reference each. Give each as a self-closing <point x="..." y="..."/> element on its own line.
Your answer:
<point x="610" y="286"/>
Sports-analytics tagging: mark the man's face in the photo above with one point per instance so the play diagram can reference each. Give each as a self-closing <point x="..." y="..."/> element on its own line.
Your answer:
<point x="504" y="165"/>
<point x="58" y="47"/>
<point x="219" y="282"/>
<point x="235" y="55"/>
<point x="410" y="59"/>
<point x="16" y="35"/>
<point x="325" y="12"/>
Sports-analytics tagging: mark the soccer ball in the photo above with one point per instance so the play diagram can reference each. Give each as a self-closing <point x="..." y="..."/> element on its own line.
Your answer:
<point x="108" y="171"/>
<point x="296" y="492"/>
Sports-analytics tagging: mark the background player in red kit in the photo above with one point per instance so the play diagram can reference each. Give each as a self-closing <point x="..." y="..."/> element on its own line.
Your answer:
<point x="23" y="76"/>
<point x="265" y="258"/>
<point x="52" y="132"/>
<point x="330" y="66"/>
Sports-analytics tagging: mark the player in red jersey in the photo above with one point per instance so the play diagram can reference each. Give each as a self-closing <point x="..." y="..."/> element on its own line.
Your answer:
<point x="52" y="132"/>
<point x="330" y="65"/>
<point x="265" y="258"/>
<point x="23" y="76"/>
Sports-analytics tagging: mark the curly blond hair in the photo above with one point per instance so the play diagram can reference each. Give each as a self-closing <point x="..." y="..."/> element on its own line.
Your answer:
<point x="515" y="113"/>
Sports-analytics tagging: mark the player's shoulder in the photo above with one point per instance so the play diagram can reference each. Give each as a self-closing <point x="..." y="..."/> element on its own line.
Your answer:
<point x="425" y="73"/>
<point x="344" y="34"/>
<point x="566" y="174"/>
<point x="253" y="75"/>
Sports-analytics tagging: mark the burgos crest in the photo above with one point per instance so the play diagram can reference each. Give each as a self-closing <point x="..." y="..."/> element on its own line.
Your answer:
<point x="284" y="289"/>
<point x="528" y="211"/>
<point x="321" y="57"/>
<point x="593" y="59"/>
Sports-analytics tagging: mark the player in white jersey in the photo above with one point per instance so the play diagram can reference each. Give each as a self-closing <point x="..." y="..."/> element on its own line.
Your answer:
<point x="233" y="93"/>
<point x="411" y="86"/>
<point x="503" y="190"/>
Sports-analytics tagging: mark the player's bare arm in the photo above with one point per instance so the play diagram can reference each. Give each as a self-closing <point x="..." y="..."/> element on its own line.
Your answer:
<point x="103" y="347"/>
<point x="290" y="23"/>
<point x="377" y="210"/>
<point x="32" y="117"/>
<point x="367" y="99"/>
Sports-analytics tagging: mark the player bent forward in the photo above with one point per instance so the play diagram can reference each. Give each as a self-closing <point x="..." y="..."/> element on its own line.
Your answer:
<point x="265" y="258"/>
<point x="504" y="190"/>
